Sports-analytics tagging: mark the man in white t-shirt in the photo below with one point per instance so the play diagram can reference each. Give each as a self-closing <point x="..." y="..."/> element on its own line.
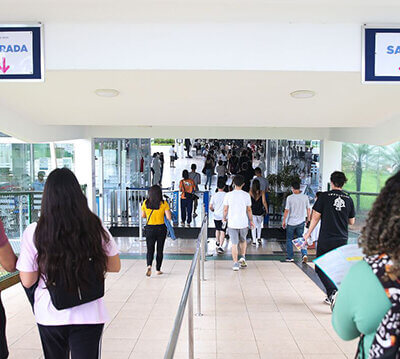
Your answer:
<point x="296" y="211"/>
<point x="237" y="206"/>
<point x="217" y="206"/>
<point x="172" y="156"/>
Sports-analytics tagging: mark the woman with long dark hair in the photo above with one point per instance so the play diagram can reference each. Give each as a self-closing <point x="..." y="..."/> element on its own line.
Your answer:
<point x="7" y="261"/>
<point x="368" y="302"/>
<point x="66" y="254"/>
<point x="259" y="207"/>
<point x="155" y="209"/>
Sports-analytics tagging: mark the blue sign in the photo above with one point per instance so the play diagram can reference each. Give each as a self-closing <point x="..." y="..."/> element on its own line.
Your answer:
<point x="175" y="207"/>
<point x="381" y="54"/>
<point x="21" y="53"/>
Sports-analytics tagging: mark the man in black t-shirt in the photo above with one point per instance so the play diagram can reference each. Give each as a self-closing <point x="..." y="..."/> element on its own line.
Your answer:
<point x="336" y="211"/>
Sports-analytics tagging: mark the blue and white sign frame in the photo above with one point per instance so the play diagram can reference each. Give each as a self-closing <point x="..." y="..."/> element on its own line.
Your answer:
<point x="21" y="52"/>
<point x="380" y="54"/>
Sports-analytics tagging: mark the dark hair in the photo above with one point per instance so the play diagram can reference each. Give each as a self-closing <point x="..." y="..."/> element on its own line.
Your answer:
<point x="68" y="233"/>
<point x="185" y="174"/>
<point x="154" y="198"/>
<point x="257" y="170"/>
<point x="220" y="162"/>
<point x="318" y="194"/>
<point x="238" y="180"/>
<point x="381" y="234"/>
<point x="193" y="167"/>
<point x="295" y="184"/>
<point x="255" y="187"/>
<point x="338" y="179"/>
<point x="221" y="183"/>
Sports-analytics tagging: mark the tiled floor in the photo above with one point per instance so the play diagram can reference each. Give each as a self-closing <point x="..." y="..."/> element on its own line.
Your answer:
<point x="132" y="245"/>
<point x="269" y="310"/>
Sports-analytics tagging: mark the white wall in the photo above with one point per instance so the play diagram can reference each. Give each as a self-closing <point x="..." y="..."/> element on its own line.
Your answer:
<point x="331" y="160"/>
<point x="210" y="46"/>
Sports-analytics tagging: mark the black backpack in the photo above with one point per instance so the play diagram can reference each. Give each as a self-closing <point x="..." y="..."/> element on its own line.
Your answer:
<point x="64" y="298"/>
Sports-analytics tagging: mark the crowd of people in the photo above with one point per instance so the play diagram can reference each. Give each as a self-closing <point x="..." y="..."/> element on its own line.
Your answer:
<point x="65" y="255"/>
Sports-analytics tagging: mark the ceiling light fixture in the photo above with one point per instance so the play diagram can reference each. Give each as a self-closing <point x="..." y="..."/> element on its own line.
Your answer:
<point x="300" y="94"/>
<point x="106" y="92"/>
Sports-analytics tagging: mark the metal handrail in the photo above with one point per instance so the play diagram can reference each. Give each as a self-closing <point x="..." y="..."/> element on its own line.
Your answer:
<point x="362" y="193"/>
<point x="187" y="297"/>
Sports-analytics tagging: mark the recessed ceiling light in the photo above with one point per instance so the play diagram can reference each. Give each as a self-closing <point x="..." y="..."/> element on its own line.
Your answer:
<point x="302" y="94"/>
<point x="106" y="92"/>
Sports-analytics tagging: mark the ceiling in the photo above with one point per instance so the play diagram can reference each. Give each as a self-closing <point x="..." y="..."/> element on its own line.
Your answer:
<point x="202" y="98"/>
<point x="313" y="11"/>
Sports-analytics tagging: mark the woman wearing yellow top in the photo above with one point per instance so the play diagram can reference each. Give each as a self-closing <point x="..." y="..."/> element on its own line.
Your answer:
<point x="154" y="209"/>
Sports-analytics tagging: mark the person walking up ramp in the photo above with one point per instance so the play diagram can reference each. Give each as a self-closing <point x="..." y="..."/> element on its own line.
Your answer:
<point x="237" y="206"/>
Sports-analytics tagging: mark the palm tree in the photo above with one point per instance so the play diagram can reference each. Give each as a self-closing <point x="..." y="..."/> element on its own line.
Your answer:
<point x="392" y="156"/>
<point x="356" y="156"/>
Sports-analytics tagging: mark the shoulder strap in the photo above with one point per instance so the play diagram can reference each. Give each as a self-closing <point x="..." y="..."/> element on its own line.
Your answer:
<point x="148" y="219"/>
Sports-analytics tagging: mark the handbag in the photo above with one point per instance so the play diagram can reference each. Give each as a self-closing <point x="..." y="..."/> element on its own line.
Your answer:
<point x="146" y="229"/>
<point x="64" y="298"/>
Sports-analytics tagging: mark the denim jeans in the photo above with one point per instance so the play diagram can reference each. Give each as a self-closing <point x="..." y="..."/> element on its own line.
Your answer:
<point x="209" y="177"/>
<point x="186" y="210"/>
<point x="293" y="232"/>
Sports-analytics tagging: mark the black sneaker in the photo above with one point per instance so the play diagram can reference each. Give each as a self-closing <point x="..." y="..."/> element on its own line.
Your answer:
<point x="327" y="301"/>
<point x="332" y="299"/>
<point x="217" y="244"/>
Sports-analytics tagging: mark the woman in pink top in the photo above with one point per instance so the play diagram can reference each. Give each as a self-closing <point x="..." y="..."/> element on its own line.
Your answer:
<point x="7" y="261"/>
<point x="66" y="255"/>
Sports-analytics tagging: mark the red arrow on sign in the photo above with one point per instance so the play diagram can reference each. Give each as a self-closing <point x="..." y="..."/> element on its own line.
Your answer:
<point x="4" y="68"/>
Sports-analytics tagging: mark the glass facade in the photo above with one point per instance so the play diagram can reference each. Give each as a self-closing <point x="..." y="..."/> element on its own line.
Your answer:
<point x="120" y="164"/>
<point x="367" y="168"/>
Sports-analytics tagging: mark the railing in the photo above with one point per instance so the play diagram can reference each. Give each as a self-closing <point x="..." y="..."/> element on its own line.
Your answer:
<point x="187" y="295"/>
<point x="363" y="202"/>
<point x="17" y="210"/>
<point x="122" y="208"/>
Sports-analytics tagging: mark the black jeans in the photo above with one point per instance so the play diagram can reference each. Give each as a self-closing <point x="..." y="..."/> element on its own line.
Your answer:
<point x="83" y="341"/>
<point x="325" y="246"/>
<point x="155" y="234"/>
<point x="3" y="339"/>
<point x="186" y="210"/>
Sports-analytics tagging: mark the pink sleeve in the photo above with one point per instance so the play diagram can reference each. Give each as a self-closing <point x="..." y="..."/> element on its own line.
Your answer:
<point x="111" y="247"/>
<point x="27" y="260"/>
<point x="3" y="236"/>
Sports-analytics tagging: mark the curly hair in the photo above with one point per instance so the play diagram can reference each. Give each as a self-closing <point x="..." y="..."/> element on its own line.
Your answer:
<point x="381" y="234"/>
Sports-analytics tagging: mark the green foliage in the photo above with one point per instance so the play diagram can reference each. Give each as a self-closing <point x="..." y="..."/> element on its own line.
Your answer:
<point x="164" y="141"/>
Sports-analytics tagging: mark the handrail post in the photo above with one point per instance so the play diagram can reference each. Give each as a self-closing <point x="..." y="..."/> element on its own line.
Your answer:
<point x="140" y="225"/>
<point x="198" y="314"/>
<point x="203" y="254"/>
<point x="190" y="318"/>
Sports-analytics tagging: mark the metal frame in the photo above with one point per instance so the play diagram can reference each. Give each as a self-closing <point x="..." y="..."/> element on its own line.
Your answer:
<point x="374" y="26"/>
<point x="29" y="24"/>
<point x="187" y="297"/>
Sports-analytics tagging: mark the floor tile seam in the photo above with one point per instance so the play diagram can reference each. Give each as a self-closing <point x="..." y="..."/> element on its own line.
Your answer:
<point x="215" y="307"/>
<point x="299" y="294"/>
<point x="123" y="274"/>
<point x="24" y="334"/>
<point x="144" y="325"/>
<point x="283" y="318"/>
<point x="248" y="315"/>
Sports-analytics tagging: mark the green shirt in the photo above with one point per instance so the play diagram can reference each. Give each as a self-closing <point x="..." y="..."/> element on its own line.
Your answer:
<point x="360" y="305"/>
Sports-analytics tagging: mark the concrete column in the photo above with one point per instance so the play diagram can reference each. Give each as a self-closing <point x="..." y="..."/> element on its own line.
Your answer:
<point x="84" y="168"/>
<point x="330" y="161"/>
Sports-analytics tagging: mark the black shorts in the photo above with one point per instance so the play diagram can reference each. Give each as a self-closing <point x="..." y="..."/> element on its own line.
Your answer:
<point x="218" y="226"/>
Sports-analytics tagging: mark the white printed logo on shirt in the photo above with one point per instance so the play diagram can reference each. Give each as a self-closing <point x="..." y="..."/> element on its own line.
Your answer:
<point x="339" y="203"/>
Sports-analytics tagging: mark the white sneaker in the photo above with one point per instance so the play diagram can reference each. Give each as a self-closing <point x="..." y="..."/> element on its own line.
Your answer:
<point x="242" y="262"/>
<point x="305" y="259"/>
<point x="235" y="266"/>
